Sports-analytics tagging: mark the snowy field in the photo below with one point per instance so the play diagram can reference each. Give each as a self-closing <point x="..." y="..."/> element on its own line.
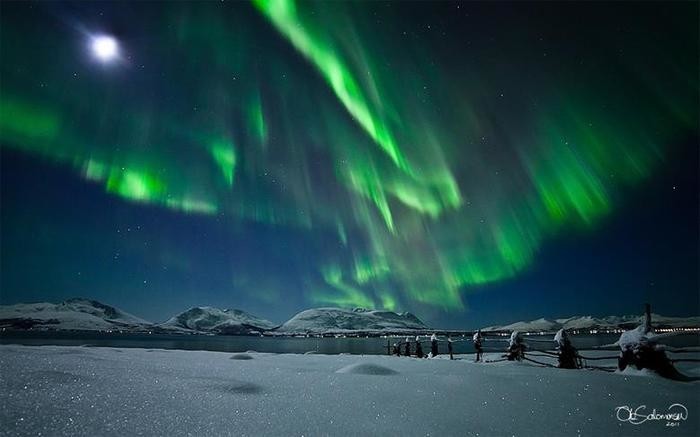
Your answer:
<point x="55" y="390"/>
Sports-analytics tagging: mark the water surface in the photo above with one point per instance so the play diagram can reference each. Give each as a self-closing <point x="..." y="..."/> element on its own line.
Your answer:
<point x="367" y="346"/>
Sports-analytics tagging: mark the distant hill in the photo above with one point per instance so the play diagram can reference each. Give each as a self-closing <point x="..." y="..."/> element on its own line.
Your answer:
<point x="600" y="323"/>
<point x="90" y="315"/>
<point x="80" y="314"/>
<point x="339" y="320"/>
<point x="215" y="320"/>
<point x="72" y="314"/>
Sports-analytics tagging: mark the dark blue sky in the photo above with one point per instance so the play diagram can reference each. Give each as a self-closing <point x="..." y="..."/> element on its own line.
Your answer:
<point x="477" y="164"/>
<point x="51" y="251"/>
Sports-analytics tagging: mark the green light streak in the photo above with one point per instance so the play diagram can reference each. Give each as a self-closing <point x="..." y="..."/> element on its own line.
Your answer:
<point x="192" y="205"/>
<point x="367" y="182"/>
<point x="37" y="130"/>
<point x="283" y="14"/>
<point x="366" y="271"/>
<point x="135" y="185"/>
<point x="388" y="302"/>
<point x="344" y="295"/>
<point x="225" y="157"/>
<point x="515" y="243"/>
<point x="22" y="121"/>
<point x="256" y="120"/>
<point x="434" y="185"/>
<point x="95" y="171"/>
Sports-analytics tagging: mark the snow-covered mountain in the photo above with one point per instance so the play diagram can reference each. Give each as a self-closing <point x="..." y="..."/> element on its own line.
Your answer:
<point x="339" y="320"/>
<point x="90" y="315"/>
<point x="215" y="320"/>
<point x="600" y="323"/>
<point x="535" y="325"/>
<point x="72" y="314"/>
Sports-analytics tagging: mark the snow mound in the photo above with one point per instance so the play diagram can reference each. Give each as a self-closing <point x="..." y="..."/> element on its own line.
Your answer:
<point x="239" y="388"/>
<point x="323" y="320"/>
<point x="241" y="357"/>
<point x="367" y="369"/>
<point x="636" y="337"/>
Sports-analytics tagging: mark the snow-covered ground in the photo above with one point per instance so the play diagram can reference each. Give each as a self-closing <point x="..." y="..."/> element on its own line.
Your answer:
<point x="55" y="390"/>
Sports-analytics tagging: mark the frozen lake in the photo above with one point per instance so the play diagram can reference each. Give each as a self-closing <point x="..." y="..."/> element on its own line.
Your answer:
<point x="354" y="346"/>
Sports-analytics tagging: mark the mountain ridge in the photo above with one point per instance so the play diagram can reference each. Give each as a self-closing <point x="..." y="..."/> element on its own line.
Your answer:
<point x="215" y="320"/>
<point x="78" y="314"/>
<point x="339" y="320"/>
<point x="81" y="314"/>
<point x="598" y="323"/>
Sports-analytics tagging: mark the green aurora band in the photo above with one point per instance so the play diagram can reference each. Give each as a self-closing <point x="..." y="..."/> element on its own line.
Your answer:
<point x="301" y="123"/>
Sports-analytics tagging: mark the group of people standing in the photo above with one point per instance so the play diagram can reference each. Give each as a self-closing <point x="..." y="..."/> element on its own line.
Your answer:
<point x="638" y="348"/>
<point x="568" y="355"/>
<point x="419" y="348"/>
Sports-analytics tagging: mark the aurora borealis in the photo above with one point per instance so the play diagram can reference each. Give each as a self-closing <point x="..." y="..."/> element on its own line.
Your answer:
<point x="405" y="156"/>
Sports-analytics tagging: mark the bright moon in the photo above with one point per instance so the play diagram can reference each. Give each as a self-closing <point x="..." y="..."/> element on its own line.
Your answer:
<point x="104" y="47"/>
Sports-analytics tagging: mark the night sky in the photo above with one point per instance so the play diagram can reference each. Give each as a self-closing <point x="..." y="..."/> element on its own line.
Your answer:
<point x="473" y="163"/>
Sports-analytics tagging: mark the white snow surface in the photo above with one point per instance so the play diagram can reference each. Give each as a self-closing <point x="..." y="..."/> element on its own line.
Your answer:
<point x="209" y="319"/>
<point x="515" y="339"/>
<point x="638" y="336"/>
<point x="82" y="391"/>
<point x="72" y="314"/>
<point x="561" y="337"/>
<point x="320" y="320"/>
<point x="589" y="322"/>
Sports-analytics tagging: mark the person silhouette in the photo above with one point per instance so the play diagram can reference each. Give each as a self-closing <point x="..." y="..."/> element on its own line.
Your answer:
<point x="419" y="348"/>
<point x="567" y="352"/>
<point x="516" y="347"/>
<point x="477" y="339"/>
<point x="433" y="345"/>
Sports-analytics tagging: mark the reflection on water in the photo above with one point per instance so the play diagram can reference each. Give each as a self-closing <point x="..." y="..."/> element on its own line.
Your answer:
<point x="368" y="346"/>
